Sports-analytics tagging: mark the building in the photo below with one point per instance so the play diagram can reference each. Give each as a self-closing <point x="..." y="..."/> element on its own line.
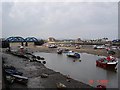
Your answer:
<point x="51" y="39"/>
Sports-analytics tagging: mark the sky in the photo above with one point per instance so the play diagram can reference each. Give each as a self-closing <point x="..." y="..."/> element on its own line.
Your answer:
<point x="61" y="20"/>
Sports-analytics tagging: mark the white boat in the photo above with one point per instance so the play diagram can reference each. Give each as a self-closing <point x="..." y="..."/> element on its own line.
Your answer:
<point x="73" y="54"/>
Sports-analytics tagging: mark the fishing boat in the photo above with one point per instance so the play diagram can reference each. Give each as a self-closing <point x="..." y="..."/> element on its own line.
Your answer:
<point x="73" y="54"/>
<point x="104" y="63"/>
<point x="59" y="51"/>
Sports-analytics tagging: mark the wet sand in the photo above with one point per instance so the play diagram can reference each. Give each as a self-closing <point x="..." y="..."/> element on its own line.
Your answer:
<point x="85" y="49"/>
<point x="33" y="70"/>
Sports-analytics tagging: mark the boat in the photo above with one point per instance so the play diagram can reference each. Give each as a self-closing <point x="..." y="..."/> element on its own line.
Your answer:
<point x="60" y="85"/>
<point x="52" y="46"/>
<point x="20" y="79"/>
<point x="103" y="63"/>
<point x="10" y="79"/>
<point x="102" y="87"/>
<point x="73" y="54"/>
<point x="9" y="67"/>
<point x="13" y="71"/>
<point x="59" y="51"/>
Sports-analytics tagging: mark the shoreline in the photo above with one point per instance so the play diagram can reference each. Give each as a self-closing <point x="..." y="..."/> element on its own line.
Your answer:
<point x="35" y="81"/>
<point x="37" y="68"/>
<point x="99" y="52"/>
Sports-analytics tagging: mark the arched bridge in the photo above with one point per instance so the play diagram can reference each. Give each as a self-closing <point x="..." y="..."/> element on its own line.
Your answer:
<point x="15" y="39"/>
<point x="31" y="39"/>
<point x="21" y="39"/>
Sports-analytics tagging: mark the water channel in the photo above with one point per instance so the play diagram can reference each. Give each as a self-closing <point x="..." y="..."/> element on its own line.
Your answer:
<point x="84" y="70"/>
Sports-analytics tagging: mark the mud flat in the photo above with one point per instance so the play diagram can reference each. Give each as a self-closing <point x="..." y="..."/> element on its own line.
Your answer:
<point x="33" y="71"/>
<point x="84" y="49"/>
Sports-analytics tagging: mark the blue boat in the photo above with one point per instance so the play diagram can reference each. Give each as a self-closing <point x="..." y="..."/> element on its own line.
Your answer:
<point x="14" y="72"/>
<point x="73" y="54"/>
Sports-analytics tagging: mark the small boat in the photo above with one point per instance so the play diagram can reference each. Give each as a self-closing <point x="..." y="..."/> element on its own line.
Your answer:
<point x="40" y="58"/>
<point x="10" y="79"/>
<point x="73" y="54"/>
<point x="13" y="72"/>
<point x="59" y="51"/>
<point x="20" y="79"/>
<point x="60" y="85"/>
<point x="43" y="75"/>
<point x="103" y="63"/>
<point x="9" y="67"/>
<point x="52" y="46"/>
<point x="101" y="87"/>
<point x="18" y="54"/>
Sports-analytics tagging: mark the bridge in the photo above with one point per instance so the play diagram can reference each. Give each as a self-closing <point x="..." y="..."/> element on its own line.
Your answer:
<point x="17" y="41"/>
<point x="21" y="39"/>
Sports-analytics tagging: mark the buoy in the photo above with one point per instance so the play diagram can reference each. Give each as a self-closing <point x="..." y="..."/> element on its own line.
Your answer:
<point x="38" y="57"/>
<point x="44" y="62"/>
<point x="79" y="60"/>
<point x="39" y="61"/>
<point x="73" y="60"/>
<point x="42" y="58"/>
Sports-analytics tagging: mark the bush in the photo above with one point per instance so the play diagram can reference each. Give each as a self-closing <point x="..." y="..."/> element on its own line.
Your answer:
<point x="40" y="42"/>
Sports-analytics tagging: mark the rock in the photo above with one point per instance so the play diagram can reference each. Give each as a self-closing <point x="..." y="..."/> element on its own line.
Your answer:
<point x="44" y="75"/>
<point x="60" y="85"/>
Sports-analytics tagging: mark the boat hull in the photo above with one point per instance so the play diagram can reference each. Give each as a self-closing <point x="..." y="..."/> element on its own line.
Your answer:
<point x="105" y="65"/>
<point x="59" y="51"/>
<point x="72" y="56"/>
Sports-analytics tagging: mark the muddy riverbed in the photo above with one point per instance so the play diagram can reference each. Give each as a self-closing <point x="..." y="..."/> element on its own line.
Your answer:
<point x="33" y="70"/>
<point x="85" y="49"/>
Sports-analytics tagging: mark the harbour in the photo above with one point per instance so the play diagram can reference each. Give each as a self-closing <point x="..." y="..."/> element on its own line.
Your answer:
<point x="59" y="45"/>
<point x="84" y="70"/>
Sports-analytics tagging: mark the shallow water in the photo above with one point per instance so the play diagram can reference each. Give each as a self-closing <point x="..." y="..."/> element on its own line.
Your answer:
<point x="84" y="71"/>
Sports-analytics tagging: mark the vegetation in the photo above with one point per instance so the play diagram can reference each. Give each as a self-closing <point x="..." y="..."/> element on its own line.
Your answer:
<point x="40" y="42"/>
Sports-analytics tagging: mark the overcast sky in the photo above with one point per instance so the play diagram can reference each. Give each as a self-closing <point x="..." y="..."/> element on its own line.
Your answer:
<point x="87" y="20"/>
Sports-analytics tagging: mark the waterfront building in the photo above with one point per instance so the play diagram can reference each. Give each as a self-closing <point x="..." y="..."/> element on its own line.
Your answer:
<point x="51" y="39"/>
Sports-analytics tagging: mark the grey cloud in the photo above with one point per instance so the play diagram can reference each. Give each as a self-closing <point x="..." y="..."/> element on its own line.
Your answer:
<point x="61" y="20"/>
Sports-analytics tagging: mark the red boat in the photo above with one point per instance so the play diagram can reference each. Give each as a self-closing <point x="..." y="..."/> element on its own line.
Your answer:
<point x="103" y="63"/>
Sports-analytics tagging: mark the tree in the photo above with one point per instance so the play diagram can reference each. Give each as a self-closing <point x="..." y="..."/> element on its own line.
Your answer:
<point x="40" y="42"/>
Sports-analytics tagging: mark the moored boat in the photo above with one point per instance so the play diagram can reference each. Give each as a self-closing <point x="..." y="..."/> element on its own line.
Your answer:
<point x="21" y="79"/>
<point x="103" y="63"/>
<point x="59" y="51"/>
<point x="73" y="54"/>
<point x="52" y="46"/>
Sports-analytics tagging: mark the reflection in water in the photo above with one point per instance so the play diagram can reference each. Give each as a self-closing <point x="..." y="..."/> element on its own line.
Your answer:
<point x="83" y="69"/>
